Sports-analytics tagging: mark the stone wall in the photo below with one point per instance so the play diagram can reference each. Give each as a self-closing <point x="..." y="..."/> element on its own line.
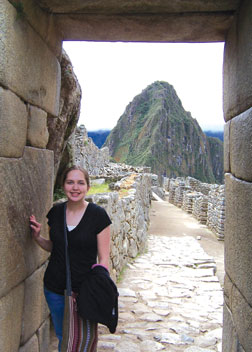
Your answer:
<point x="87" y="154"/>
<point x="30" y="77"/>
<point x="206" y="202"/>
<point x="237" y="332"/>
<point x="128" y="208"/>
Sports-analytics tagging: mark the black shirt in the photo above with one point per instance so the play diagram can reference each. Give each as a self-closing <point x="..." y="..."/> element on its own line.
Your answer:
<point x="82" y="246"/>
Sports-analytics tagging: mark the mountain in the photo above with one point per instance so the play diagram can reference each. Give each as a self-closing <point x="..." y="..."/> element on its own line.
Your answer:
<point x="217" y="134"/>
<point x="156" y="131"/>
<point x="99" y="137"/>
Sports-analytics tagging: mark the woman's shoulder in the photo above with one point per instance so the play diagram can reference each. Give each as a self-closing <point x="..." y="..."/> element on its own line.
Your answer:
<point x="95" y="208"/>
<point x="57" y="208"/>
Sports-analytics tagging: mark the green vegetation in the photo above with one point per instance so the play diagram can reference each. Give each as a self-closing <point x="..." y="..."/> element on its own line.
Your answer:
<point x="156" y="131"/>
<point x="104" y="188"/>
<point x="58" y="194"/>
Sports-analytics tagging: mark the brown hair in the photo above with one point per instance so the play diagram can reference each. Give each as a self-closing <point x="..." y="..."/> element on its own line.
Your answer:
<point x="75" y="167"/>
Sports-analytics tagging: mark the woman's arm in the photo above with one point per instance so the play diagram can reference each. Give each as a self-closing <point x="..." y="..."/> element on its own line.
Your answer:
<point x="103" y="246"/>
<point x="41" y="241"/>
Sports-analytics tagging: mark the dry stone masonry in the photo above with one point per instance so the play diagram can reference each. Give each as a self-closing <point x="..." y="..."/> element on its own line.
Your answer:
<point x="30" y="86"/>
<point x="206" y="202"/>
<point x="87" y="154"/>
<point x="130" y="218"/>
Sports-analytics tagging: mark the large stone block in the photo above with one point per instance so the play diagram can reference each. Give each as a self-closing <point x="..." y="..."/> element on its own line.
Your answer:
<point x="238" y="239"/>
<point x="26" y="188"/>
<point x="27" y="65"/>
<point x="35" y="306"/>
<point x="143" y="27"/>
<point x="229" y="336"/>
<point x="37" y="135"/>
<point x="11" y="309"/>
<point x="14" y="116"/>
<point x="31" y="346"/>
<point x="227" y="147"/>
<point x="238" y="63"/>
<point x="44" y="336"/>
<point x="242" y="317"/>
<point x="44" y="24"/>
<point x="241" y="146"/>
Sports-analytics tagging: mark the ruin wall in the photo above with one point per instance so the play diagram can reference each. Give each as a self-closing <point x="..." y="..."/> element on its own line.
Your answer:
<point x="206" y="202"/>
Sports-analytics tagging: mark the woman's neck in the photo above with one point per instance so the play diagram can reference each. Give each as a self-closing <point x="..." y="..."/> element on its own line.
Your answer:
<point x="76" y="206"/>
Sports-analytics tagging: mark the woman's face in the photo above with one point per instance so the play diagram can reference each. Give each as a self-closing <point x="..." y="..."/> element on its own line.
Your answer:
<point x="75" y="186"/>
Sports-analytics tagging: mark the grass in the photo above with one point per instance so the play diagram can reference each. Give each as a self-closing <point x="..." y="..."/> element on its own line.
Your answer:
<point x="104" y="188"/>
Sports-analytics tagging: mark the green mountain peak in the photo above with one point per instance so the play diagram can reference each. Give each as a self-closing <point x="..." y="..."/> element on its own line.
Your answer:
<point x="156" y="131"/>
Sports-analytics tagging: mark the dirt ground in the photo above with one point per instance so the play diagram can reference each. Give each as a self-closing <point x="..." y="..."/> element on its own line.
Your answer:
<point x="169" y="220"/>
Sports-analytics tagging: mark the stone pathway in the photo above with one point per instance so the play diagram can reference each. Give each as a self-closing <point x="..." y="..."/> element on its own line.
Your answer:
<point x="170" y="300"/>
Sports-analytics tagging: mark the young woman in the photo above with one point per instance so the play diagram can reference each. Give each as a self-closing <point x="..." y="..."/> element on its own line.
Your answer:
<point x="88" y="231"/>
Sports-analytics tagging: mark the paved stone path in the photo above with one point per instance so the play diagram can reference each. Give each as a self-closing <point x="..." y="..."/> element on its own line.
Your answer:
<point x="170" y="298"/>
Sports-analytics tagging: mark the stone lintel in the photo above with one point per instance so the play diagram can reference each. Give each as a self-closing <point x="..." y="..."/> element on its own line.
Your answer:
<point x="199" y="27"/>
<point x="137" y="6"/>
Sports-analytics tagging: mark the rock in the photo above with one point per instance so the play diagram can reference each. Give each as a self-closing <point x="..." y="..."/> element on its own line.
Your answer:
<point x="151" y="346"/>
<point x="34" y="296"/>
<point x="126" y="292"/>
<point x="98" y="181"/>
<point x="18" y="252"/>
<point x="197" y="349"/>
<point x="165" y="138"/>
<point x="31" y="345"/>
<point x="14" y="120"/>
<point x="11" y="319"/>
<point x="88" y="155"/>
<point x="29" y="67"/>
<point x="205" y="341"/>
<point x="126" y="346"/>
<point x="151" y="317"/>
<point x="37" y="134"/>
<point x="61" y="128"/>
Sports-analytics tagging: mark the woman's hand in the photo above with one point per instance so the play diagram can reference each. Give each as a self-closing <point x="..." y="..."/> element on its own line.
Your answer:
<point x="42" y="242"/>
<point x="35" y="226"/>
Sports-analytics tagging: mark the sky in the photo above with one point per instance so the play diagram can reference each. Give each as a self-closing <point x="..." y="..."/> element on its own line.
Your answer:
<point x="112" y="74"/>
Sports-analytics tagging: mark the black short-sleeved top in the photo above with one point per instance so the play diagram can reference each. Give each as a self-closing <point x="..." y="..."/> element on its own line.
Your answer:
<point x="82" y="246"/>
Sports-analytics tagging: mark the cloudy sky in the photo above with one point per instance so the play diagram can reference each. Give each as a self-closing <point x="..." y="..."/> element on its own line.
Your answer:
<point x="112" y="74"/>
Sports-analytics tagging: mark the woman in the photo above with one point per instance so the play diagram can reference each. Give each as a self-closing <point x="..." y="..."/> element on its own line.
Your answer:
<point x="88" y="234"/>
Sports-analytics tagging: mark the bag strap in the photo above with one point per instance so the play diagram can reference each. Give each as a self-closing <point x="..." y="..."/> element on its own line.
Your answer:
<point x="68" y="272"/>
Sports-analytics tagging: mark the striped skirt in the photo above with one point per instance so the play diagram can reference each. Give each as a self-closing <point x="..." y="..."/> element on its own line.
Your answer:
<point x="78" y="335"/>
